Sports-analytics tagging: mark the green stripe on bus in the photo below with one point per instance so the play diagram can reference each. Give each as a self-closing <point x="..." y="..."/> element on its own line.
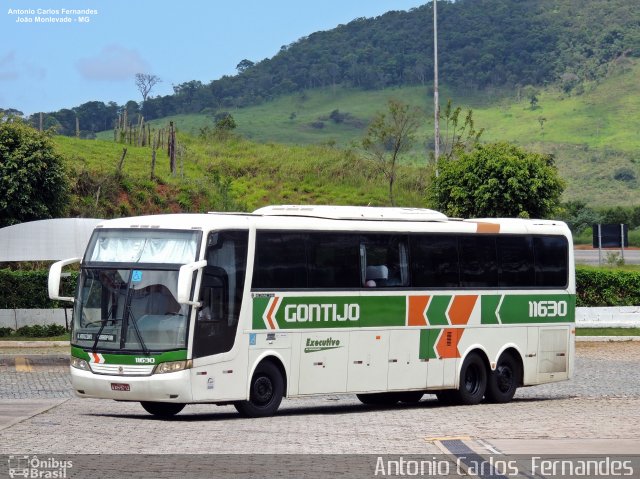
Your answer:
<point x="314" y="312"/>
<point x="537" y="308"/>
<point x="489" y="305"/>
<point x="328" y="312"/>
<point x="437" y="310"/>
<point x="179" y="355"/>
<point x="428" y="338"/>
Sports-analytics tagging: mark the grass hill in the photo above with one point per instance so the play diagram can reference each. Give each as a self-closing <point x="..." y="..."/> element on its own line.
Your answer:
<point x="594" y="135"/>
<point x="231" y="174"/>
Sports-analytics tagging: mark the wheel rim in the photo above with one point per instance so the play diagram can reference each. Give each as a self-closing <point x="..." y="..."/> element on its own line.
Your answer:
<point x="262" y="390"/>
<point x="504" y="378"/>
<point x="472" y="380"/>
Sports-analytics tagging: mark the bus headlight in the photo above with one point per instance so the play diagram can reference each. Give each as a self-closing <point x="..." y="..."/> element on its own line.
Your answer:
<point x="79" y="364"/>
<point x="172" y="366"/>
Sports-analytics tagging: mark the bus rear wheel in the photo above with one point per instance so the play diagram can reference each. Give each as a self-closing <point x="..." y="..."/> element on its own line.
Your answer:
<point x="504" y="381"/>
<point x="162" y="409"/>
<point x="473" y="381"/>
<point x="265" y="392"/>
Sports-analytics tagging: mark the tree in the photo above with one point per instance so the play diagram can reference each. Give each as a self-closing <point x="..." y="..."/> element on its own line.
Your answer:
<point x="32" y="181"/>
<point x="145" y="83"/>
<point x="390" y="134"/>
<point x="10" y="113"/>
<point x="498" y="180"/>
<point x="579" y="216"/>
<point x="244" y="65"/>
<point x="224" y="122"/>
<point x="457" y="137"/>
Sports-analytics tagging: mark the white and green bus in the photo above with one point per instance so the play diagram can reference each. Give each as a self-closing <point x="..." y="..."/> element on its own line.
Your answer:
<point x="385" y="303"/>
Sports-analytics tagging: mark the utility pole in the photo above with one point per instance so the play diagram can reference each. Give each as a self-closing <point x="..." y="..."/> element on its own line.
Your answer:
<point x="436" y="101"/>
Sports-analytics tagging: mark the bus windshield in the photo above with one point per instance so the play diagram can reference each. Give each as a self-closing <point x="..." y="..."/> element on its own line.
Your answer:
<point x="127" y="291"/>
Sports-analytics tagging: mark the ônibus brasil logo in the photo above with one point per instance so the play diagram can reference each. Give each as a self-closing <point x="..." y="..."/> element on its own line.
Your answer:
<point x="314" y="345"/>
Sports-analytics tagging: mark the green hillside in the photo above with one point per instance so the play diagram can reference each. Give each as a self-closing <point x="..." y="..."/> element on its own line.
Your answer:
<point x="483" y="45"/>
<point x="595" y="136"/>
<point x="232" y="174"/>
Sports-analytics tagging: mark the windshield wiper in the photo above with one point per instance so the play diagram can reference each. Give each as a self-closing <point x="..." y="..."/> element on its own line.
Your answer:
<point x="104" y="323"/>
<point x="132" y="320"/>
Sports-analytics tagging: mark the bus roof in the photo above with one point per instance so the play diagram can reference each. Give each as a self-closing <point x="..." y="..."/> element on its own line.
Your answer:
<point x="370" y="213"/>
<point x="339" y="218"/>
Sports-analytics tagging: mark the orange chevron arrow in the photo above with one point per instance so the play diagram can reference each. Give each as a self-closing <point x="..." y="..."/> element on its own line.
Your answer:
<point x="447" y="346"/>
<point x="271" y="313"/>
<point x="416" y="308"/>
<point x="461" y="308"/>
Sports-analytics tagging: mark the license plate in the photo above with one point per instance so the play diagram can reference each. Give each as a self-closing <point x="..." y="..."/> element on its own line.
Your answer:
<point x="120" y="387"/>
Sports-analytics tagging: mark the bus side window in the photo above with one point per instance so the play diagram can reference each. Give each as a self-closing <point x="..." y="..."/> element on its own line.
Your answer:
<point x="434" y="261"/>
<point x="385" y="261"/>
<point x="221" y="293"/>
<point x="215" y="287"/>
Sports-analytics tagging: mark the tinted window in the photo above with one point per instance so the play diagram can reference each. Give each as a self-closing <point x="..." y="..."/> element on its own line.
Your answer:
<point x="385" y="261"/>
<point x="434" y="261"/>
<point x="221" y="293"/>
<point x="551" y="254"/>
<point x="515" y="261"/>
<point x="333" y="260"/>
<point x="478" y="265"/>
<point x="280" y="261"/>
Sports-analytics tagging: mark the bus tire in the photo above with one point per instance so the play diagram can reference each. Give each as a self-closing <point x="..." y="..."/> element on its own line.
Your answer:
<point x="163" y="410"/>
<point x="265" y="392"/>
<point x="504" y="381"/>
<point x="378" y="399"/>
<point x="473" y="381"/>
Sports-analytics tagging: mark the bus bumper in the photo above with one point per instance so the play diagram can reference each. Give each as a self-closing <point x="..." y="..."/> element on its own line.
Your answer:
<point x="168" y="387"/>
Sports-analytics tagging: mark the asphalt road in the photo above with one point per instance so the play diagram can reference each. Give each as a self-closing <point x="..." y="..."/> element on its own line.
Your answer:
<point x="597" y="412"/>
<point x="590" y="256"/>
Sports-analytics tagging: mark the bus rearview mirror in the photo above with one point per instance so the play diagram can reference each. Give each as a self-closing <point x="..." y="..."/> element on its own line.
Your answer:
<point x="185" y="279"/>
<point x="55" y="275"/>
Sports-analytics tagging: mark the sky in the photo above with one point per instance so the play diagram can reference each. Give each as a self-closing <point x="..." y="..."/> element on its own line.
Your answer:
<point x="95" y="56"/>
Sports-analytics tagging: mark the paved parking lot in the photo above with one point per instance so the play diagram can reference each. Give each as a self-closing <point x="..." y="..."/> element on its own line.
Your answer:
<point x="597" y="411"/>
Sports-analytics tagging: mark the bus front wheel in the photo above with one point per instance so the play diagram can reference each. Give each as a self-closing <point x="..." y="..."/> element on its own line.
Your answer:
<point x="162" y="409"/>
<point x="265" y="393"/>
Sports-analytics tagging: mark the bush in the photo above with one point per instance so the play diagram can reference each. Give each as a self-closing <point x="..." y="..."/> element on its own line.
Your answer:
<point x="28" y="289"/>
<point x="497" y="180"/>
<point x="5" y="332"/>
<point x="33" y="185"/>
<point x="38" y="331"/>
<point x="603" y="287"/>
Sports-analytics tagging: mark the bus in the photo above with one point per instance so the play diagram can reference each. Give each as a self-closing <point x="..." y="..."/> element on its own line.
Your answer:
<point x="388" y="304"/>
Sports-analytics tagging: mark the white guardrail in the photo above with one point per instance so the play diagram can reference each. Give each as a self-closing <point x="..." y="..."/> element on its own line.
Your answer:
<point x="615" y="317"/>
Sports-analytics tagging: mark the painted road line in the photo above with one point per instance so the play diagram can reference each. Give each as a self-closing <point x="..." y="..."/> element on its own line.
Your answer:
<point x="23" y="365"/>
<point x="488" y="447"/>
<point x="467" y="459"/>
